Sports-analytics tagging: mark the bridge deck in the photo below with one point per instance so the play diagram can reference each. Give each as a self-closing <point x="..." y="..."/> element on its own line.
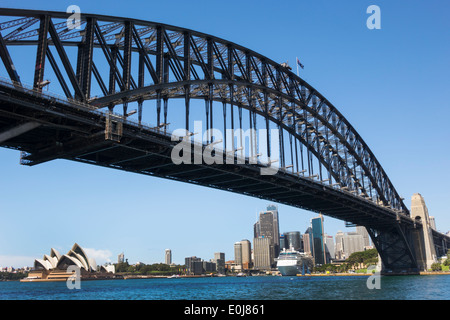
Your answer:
<point x="75" y="132"/>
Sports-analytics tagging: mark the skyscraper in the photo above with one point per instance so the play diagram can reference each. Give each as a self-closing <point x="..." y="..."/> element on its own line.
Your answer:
<point x="168" y="256"/>
<point x="338" y="249"/>
<point x="219" y="259"/>
<point x="121" y="258"/>
<point x="293" y="239"/>
<point x="363" y="232"/>
<point x="318" y="244"/>
<point x="246" y="253"/>
<point x="307" y="241"/>
<point x="329" y="248"/>
<point x="238" y="254"/>
<point x="276" y="227"/>
<point x="268" y="227"/>
<point x="263" y="253"/>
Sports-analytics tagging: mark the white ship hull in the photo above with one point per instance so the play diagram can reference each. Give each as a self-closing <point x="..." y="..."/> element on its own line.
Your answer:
<point x="291" y="263"/>
<point x="292" y="270"/>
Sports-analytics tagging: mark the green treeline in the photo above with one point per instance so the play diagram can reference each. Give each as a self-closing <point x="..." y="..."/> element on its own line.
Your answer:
<point x="148" y="269"/>
<point x="357" y="260"/>
<point x="12" y="276"/>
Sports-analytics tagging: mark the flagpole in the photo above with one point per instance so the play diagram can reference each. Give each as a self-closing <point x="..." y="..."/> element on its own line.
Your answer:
<point x="296" y="62"/>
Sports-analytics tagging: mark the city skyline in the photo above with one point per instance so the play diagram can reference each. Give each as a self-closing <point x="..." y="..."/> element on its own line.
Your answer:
<point x="369" y="75"/>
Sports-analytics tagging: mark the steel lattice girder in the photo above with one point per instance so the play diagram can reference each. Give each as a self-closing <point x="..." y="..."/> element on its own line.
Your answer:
<point x="194" y="60"/>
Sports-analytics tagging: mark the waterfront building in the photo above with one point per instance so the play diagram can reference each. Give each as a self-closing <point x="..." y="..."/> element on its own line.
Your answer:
<point x="194" y="265"/>
<point x="219" y="259"/>
<point x="209" y="266"/>
<point x="246" y="253"/>
<point x="54" y="267"/>
<point x="168" y="256"/>
<point x="318" y="243"/>
<point x="263" y="253"/>
<point x="238" y="253"/>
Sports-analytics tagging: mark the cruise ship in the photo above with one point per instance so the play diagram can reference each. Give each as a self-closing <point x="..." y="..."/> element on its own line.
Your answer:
<point x="292" y="262"/>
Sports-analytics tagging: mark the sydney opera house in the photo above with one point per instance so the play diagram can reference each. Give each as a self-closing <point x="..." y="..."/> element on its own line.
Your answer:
<point x="54" y="267"/>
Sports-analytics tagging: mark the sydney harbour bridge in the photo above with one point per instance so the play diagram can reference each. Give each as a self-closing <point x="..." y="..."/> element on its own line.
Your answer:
<point x="116" y="77"/>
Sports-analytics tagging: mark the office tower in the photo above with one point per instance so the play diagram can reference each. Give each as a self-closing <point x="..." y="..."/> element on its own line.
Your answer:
<point x="193" y="265"/>
<point x="293" y="239"/>
<point x="329" y="248"/>
<point x="266" y="226"/>
<point x="318" y="244"/>
<point x="307" y="241"/>
<point x="348" y="243"/>
<point x="246" y="254"/>
<point x="209" y="266"/>
<point x="238" y="254"/>
<point x="219" y="258"/>
<point x="283" y="242"/>
<point x="256" y="230"/>
<point x="121" y="258"/>
<point x="363" y="231"/>
<point x="338" y="249"/>
<point x="168" y="256"/>
<point x="263" y="253"/>
<point x="276" y="227"/>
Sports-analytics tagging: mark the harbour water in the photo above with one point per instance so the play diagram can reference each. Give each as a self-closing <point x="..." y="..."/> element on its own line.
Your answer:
<point x="429" y="287"/>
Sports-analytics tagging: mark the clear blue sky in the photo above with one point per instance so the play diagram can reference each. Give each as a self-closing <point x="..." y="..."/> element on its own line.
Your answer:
<point x="391" y="84"/>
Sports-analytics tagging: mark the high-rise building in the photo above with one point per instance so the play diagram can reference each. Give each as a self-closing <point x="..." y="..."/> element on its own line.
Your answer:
<point x="329" y="248"/>
<point x="307" y="241"/>
<point x="246" y="253"/>
<point x="219" y="259"/>
<point x="121" y="258"/>
<point x="293" y="239"/>
<point x="194" y="265"/>
<point x="338" y="249"/>
<point x="243" y="254"/>
<point x="318" y="243"/>
<point x="363" y="231"/>
<point x="348" y="243"/>
<point x="267" y="226"/>
<point x="283" y="242"/>
<point x="238" y="254"/>
<point x="276" y="227"/>
<point x="263" y="253"/>
<point x="168" y="256"/>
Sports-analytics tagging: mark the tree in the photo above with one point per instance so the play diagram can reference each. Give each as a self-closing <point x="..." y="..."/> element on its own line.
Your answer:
<point x="436" y="266"/>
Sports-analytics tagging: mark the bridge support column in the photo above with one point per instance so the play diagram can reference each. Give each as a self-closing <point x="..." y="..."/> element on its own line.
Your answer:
<point x="423" y="238"/>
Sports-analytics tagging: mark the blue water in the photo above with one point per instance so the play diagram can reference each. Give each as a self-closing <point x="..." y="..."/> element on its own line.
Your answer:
<point x="436" y="287"/>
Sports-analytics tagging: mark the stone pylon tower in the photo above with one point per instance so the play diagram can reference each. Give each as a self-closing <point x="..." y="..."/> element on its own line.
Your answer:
<point x="424" y="244"/>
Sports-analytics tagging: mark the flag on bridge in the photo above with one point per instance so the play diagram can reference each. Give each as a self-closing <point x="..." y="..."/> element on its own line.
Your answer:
<point x="300" y="64"/>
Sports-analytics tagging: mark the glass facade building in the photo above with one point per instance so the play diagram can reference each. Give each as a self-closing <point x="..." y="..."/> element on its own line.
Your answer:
<point x="317" y="239"/>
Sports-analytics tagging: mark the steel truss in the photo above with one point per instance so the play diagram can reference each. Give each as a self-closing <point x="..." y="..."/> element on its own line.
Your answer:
<point x="121" y="61"/>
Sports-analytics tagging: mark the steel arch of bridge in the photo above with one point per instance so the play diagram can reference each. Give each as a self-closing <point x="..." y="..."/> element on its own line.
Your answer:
<point x="121" y="61"/>
<point x="188" y="64"/>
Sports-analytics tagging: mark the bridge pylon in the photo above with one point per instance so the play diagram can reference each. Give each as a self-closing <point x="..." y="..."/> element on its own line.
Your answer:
<point x="423" y="238"/>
